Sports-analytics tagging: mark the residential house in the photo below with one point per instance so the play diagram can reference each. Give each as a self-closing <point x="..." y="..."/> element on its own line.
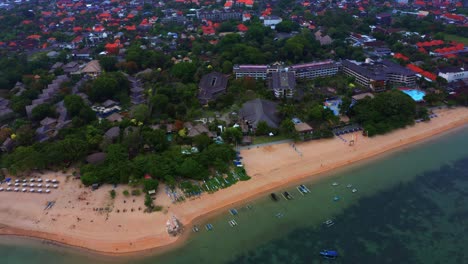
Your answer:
<point x="324" y="40"/>
<point x="198" y="129"/>
<point x="112" y="134"/>
<point x="260" y="110"/>
<point x="304" y="130"/>
<point x="92" y="68"/>
<point x="71" y="67"/>
<point x="271" y="21"/>
<point x="211" y="86"/>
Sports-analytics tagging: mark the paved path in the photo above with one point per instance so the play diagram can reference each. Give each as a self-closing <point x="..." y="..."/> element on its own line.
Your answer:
<point x="266" y="144"/>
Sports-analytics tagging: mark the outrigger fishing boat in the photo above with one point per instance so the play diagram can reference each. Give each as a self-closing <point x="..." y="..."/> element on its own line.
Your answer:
<point x="287" y="196"/>
<point x="232" y="223"/>
<point x="233" y="211"/>
<point x="195" y="228"/>
<point x="328" y="223"/>
<point x="209" y="227"/>
<point x="329" y="254"/>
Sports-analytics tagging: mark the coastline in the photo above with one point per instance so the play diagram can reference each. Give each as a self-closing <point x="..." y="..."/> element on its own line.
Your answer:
<point x="271" y="167"/>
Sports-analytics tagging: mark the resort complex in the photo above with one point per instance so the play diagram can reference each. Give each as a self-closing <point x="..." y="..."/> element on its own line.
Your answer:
<point x="127" y="126"/>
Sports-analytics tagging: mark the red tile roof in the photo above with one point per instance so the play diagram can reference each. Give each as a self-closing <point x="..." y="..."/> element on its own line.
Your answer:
<point x="242" y="28"/>
<point x="424" y="73"/>
<point x="400" y="56"/>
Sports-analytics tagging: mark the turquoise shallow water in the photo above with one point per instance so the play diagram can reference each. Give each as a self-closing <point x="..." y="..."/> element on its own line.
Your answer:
<point x="411" y="207"/>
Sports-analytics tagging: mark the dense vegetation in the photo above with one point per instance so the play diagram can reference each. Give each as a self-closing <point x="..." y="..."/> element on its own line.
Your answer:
<point x="386" y="112"/>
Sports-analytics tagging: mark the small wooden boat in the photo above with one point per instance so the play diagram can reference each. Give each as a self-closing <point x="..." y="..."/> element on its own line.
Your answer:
<point x="301" y="191"/>
<point x="209" y="227"/>
<point x="233" y="211"/>
<point x="195" y="228"/>
<point x="305" y="188"/>
<point x="287" y="196"/>
<point x="329" y="254"/>
<point x="274" y="197"/>
<point x="328" y="223"/>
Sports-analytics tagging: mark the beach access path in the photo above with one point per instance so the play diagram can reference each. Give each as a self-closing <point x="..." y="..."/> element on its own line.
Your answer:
<point x="74" y="221"/>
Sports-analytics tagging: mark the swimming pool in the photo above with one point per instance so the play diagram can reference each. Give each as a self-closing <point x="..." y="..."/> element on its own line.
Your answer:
<point x="417" y="95"/>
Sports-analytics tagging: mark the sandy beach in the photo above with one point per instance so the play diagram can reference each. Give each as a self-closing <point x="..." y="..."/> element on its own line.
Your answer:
<point x="74" y="220"/>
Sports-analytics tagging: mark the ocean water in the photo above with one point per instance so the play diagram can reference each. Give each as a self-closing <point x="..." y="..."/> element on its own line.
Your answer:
<point x="411" y="207"/>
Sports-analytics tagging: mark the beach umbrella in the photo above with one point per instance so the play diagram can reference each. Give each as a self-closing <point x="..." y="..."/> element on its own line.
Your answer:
<point x="16" y="184"/>
<point x="31" y="190"/>
<point x="16" y="180"/>
<point x="47" y="185"/>
<point x="8" y="189"/>
<point x="55" y="186"/>
<point x="16" y="190"/>
<point x="8" y="179"/>
<point x="47" y="180"/>
<point x="31" y="185"/>
<point x="39" y="191"/>
<point x="39" y="185"/>
<point x="31" y="180"/>
<point x="39" y="180"/>
<point x="47" y="191"/>
<point x="1" y="189"/>
<point x="24" y="190"/>
<point x="24" y="180"/>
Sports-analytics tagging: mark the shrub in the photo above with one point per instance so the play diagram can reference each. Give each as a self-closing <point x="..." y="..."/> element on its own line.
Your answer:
<point x="126" y="193"/>
<point x="136" y="192"/>
<point x="112" y="194"/>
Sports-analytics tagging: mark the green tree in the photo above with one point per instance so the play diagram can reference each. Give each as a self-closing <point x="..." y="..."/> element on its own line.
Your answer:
<point x="108" y="63"/>
<point x="150" y="184"/>
<point x="74" y="103"/>
<point x="232" y="134"/>
<point x="140" y="112"/>
<point x="262" y="129"/>
<point x="184" y="71"/>
<point x="202" y="141"/>
<point x="42" y="111"/>
<point x="156" y="139"/>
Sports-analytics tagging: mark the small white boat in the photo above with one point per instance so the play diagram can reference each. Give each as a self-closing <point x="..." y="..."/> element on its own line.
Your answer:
<point x="349" y="185"/>
<point x="335" y="184"/>
<point x="354" y="190"/>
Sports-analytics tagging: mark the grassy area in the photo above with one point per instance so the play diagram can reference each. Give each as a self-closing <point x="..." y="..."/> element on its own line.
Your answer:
<point x="268" y="139"/>
<point x="456" y="38"/>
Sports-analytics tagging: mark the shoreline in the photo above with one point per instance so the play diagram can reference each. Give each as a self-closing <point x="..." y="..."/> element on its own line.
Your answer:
<point x="154" y="245"/>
